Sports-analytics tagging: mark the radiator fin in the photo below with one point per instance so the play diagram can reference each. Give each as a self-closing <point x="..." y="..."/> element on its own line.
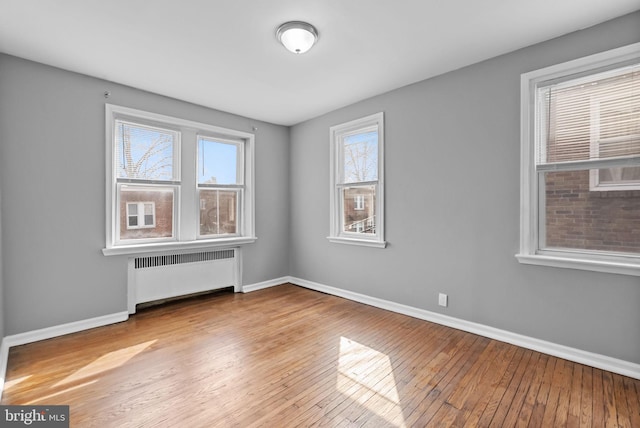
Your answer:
<point x="177" y="259"/>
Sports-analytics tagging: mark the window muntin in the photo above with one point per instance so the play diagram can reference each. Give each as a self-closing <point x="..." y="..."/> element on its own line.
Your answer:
<point x="580" y="154"/>
<point x="155" y="176"/>
<point x="356" y="182"/>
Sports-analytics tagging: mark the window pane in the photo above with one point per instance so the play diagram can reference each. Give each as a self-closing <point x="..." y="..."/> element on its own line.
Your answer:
<point x="360" y="157"/>
<point x="140" y="221"/>
<point x="218" y="211"/>
<point x="358" y="220"/>
<point x="218" y="162"/>
<point x="576" y="218"/>
<point x="144" y="153"/>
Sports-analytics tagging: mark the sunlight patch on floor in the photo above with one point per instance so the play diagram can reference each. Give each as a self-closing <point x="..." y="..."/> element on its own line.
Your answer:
<point x="11" y="383"/>
<point x="45" y="398"/>
<point x="366" y="376"/>
<point x="107" y="362"/>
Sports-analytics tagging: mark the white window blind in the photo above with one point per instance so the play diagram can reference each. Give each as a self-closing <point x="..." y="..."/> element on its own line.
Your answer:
<point x="591" y="122"/>
<point x="580" y="135"/>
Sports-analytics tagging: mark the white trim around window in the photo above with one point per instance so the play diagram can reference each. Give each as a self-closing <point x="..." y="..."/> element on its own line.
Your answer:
<point x="357" y="167"/>
<point x="183" y="227"/>
<point x="532" y="247"/>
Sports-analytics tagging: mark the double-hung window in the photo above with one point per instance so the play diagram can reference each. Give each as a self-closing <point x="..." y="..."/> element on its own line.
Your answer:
<point x="357" y="191"/>
<point x="146" y="176"/>
<point x="581" y="164"/>
<point x="220" y="185"/>
<point x="173" y="183"/>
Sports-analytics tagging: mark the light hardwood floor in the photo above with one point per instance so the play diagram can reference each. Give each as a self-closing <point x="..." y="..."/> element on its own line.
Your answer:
<point x="287" y="356"/>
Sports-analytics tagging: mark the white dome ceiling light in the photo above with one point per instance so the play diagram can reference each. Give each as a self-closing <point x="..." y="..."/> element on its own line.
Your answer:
<point x="297" y="36"/>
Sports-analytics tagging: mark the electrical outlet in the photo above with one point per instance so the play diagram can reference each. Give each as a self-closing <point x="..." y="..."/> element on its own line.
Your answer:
<point x="443" y="299"/>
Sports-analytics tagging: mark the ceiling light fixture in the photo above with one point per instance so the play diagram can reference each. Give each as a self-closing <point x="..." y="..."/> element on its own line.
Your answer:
<point x="297" y="36"/>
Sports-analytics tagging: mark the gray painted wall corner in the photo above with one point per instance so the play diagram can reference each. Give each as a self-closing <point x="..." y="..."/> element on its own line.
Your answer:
<point x="52" y="173"/>
<point x="452" y="207"/>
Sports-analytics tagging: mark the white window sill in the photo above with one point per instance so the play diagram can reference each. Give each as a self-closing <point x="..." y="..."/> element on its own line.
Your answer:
<point x="621" y="265"/>
<point x="354" y="241"/>
<point x="173" y="246"/>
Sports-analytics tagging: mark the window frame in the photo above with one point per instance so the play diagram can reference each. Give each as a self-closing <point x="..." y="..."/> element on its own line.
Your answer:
<point x="338" y="185"/>
<point x="186" y="201"/>
<point x="239" y="187"/>
<point x="531" y="197"/>
<point x="172" y="183"/>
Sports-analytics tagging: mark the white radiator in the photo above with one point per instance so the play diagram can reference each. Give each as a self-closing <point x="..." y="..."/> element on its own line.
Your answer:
<point x="161" y="277"/>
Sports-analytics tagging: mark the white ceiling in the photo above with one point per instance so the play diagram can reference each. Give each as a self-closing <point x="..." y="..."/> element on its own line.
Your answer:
<point x="224" y="55"/>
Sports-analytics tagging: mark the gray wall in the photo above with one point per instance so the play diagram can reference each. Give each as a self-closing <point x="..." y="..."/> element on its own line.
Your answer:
<point x="452" y="207"/>
<point x="52" y="177"/>
<point x="2" y="311"/>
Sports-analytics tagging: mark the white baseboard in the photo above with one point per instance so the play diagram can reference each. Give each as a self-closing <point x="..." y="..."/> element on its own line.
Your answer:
<point x="265" y="284"/>
<point x="49" y="333"/>
<point x="603" y="362"/>
<point x="61" y="330"/>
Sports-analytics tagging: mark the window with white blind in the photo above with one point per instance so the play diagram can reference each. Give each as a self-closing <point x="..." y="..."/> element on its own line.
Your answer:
<point x="174" y="184"/>
<point x="581" y="163"/>
<point x="357" y="191"/>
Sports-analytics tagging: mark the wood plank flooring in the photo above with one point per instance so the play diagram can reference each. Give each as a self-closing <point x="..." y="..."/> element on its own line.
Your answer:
<point x="287" y="357"/>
